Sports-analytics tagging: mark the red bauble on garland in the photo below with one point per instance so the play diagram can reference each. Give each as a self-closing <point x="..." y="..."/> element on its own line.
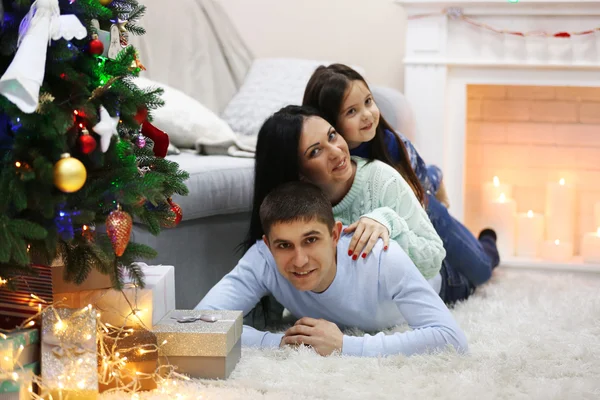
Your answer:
<point x="95" y="46"/>
<point x="86" y="142"/>
<point x="177" y="215"/>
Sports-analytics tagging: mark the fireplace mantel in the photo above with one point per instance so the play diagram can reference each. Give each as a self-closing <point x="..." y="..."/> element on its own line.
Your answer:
<point x="499" y="7"/>
<point x="444" y="54"/>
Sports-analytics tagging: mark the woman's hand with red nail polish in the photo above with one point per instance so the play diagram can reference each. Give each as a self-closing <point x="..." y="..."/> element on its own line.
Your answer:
<point x="367" y="232"/>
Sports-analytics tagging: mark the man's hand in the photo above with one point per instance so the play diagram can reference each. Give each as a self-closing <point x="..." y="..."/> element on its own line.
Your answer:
<point x="442" y="196"/>
<point x="323" y="336"/>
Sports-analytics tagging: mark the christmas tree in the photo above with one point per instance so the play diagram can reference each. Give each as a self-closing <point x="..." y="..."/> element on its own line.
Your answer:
<point x="74" y="168"/>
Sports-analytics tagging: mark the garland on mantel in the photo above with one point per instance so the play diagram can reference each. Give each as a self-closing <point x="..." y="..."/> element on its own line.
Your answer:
<point x="456" y="13"/>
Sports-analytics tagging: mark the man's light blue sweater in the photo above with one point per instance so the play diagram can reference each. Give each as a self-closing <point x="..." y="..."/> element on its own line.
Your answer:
<point x="371" y="294"/>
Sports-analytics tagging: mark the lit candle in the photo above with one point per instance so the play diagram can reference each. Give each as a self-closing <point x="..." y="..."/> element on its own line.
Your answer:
<point x="597" y="213"/>
<point x="590" y="247"/>
<point x="557" y="250"/>
<point x="501" y="218"/>
<point x="530" y="233"/>
<point x="560" y="211"/>
<point x="493" y="190"/>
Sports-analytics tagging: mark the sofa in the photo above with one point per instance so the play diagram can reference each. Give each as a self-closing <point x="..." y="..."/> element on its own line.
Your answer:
<point x="216" y="213"/>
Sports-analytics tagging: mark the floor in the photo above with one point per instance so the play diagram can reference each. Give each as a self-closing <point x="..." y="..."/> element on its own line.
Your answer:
<point x="532" y="335"/>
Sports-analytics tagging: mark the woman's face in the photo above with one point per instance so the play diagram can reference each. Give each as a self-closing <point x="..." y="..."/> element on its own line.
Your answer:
<point x="359" y="115"/>
<point x="324" y="154"/>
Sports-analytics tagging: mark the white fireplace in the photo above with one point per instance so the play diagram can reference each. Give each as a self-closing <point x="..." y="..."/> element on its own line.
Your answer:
<point x="451" y="64"/>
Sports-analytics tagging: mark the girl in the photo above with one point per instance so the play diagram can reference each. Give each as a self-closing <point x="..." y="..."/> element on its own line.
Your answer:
<point x="343" y="97"/>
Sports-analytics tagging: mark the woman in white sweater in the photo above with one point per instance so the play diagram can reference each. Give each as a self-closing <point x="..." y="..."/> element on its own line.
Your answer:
<point x="370" y="198"/>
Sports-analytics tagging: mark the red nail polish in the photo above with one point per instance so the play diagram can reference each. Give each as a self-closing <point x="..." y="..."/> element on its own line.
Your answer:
<point x="385" y="248"/>
<point x="355" y="257"/>
<point x="364" y="255"/>
<point x="349" y="252"/>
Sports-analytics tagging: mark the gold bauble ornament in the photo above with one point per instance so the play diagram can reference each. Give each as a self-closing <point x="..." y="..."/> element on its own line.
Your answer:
<point x="105" y="2"/>
<point x="69" y="174"/>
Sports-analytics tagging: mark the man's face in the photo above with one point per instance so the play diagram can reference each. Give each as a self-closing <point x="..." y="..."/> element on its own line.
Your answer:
<point x="305" y="252"/>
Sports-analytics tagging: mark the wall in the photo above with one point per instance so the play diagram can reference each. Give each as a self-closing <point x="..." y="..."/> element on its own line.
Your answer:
<point x="369" y="33"/>
<point x="530" y="135"/>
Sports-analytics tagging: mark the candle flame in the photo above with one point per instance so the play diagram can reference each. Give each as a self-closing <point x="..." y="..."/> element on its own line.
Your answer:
<point x="562" y="181"/>
<point x="502" y="198"/>
<point x="496" y="181"/>
<point x="557" y="242"/>
<point x="598" y="231"/>
<point x="530" y="214"/>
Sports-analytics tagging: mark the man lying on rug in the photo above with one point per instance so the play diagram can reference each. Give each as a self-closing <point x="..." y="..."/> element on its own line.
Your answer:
<point x="298" y="263"/>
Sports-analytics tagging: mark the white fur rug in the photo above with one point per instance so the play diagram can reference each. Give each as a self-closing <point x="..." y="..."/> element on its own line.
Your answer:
<point x="532" y="335"/>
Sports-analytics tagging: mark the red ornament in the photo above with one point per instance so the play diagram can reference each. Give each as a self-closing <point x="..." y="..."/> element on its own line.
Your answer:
<point x="173" y="221"/>
<point x="141" y="115"/>
<point x="118" y="228"/>
<point x="86" y="142"/>
<point x="160" y="139"/>
<point x="95" y="46"/>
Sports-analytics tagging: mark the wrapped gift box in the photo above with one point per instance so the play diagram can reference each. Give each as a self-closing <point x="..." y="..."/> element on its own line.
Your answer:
<point x="10" y="355"/>
<point x="18" y="389"/>
<point x="150" y="304"/>
<point x="94" y="280"/>
<point x="140" y="349"/>
<point x="201" y="349"/>
<point x="69" y="353"/>
<point x="16" y="306"/>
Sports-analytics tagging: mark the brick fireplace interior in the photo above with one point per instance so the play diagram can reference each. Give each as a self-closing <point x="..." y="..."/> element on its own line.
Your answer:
<point x="529" y="136"/>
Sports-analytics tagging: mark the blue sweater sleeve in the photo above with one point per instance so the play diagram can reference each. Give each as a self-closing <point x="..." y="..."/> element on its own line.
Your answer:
<point x="433" y="326"/>
<point x="241" y="289"/>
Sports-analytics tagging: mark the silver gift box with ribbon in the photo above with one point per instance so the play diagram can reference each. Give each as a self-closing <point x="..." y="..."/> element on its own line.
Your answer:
<point x="202" y="344"/>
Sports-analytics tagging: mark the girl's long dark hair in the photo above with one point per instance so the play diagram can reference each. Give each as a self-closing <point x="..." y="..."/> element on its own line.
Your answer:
<point x="276" y="159"/>
<point x="326" y="90"/>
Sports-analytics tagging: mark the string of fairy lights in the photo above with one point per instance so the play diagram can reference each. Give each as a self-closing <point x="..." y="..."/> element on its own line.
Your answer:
<point x="113" y="370"/>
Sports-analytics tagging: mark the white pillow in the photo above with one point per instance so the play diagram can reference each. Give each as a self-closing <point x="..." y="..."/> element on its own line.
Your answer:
<point x="271" y="83"/>
<point x="187" y="122"/>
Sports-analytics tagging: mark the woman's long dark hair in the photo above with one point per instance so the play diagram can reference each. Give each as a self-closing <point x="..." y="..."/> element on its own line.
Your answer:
<point x="276" y="159"/>
<point x="326" y="90"/>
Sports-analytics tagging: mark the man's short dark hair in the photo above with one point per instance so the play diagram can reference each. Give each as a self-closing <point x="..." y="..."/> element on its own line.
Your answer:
<point x="295" y="201"/>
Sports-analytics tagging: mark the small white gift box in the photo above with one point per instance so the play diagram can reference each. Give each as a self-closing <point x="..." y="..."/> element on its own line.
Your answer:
<point x="132" y="306"/>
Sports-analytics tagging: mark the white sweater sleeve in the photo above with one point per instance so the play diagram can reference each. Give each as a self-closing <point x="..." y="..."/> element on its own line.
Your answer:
<point x="400" y="211"/>
<point x="433" y="326"/>
<point x="241" y="289"/>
